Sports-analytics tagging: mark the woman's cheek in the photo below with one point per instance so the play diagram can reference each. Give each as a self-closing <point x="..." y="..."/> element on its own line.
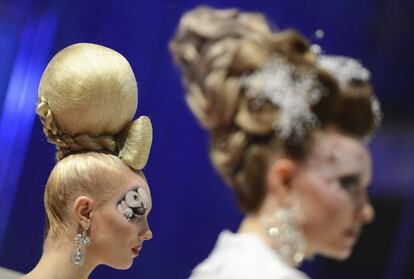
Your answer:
<point x="120" y="225"/>
<point x="325" y="202"/>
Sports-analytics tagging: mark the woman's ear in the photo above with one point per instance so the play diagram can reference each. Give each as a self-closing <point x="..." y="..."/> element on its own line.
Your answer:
<point x="82" y="208"/>
<point x="280" y="175"/>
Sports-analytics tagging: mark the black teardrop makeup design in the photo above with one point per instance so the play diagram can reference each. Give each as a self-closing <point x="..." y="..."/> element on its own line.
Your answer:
<point x="134" y="203"/>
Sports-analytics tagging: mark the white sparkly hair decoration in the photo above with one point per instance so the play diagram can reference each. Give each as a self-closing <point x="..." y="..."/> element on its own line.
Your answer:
<point x="292" y="92"/>
<point x="378" y="115"/>
<point x="345" y="69"/>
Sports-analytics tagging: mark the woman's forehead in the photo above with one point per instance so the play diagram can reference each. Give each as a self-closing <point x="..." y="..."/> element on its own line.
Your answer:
<point x="130" y="183"/>
<point x="341" y="153"/>
<point x="137" y="182"/>
<point x="332" y="146"/>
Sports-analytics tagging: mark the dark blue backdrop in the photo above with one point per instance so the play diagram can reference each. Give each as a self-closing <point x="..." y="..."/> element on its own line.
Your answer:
<point x="191" y="204"/>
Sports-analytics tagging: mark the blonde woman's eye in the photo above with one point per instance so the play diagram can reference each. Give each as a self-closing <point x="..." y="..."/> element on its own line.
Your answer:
<point x="135" y="218"/>
<point x="132" y="205"/>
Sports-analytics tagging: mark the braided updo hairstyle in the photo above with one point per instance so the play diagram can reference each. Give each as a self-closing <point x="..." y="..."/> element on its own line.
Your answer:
<point x="87" y="97"/>
<point x="215" y="49"/>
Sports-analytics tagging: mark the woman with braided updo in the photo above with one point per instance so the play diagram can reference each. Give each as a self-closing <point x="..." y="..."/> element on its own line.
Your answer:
<point x="97" y="199"/>
<point x="287" y="130"/>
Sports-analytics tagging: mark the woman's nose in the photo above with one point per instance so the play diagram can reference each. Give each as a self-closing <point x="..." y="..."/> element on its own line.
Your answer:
<point x="367" y="213"/>
<point x="146" y="234"/>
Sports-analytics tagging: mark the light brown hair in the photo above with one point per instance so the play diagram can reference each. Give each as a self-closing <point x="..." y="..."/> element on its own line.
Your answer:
<point x="215" y="49"/>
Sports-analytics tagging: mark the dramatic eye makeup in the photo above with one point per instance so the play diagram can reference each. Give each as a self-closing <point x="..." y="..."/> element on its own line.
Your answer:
<point x="134" y="204"/>
<point x="349" y="182"/>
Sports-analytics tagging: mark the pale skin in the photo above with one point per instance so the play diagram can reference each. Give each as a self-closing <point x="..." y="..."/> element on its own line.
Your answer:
<point x="116" y="240"/>
<point x="331" y="188"/>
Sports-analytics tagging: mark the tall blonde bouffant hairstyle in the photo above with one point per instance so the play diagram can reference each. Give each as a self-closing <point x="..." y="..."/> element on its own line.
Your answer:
<point x="87" y="98"/>
<point x="215" y="49"/>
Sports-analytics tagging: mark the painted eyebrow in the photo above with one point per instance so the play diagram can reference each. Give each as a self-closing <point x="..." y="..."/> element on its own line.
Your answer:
<point x="148" y="201"/>
<point x="133" y="188"/>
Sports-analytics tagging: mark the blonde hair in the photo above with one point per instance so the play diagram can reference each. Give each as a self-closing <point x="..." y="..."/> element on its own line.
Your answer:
<point x="90" y="89"/>
<point x="96" y="175"/>
<point x="215" y="49"/>
<point x="87" y="97"/>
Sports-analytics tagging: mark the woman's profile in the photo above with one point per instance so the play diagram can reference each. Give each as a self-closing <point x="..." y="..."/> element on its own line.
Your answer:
<point x="287" y="128"/>
<point x="96" y="199"/>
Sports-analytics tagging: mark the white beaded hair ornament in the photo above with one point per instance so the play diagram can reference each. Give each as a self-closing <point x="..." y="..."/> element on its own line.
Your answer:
<point x="291" y="91"/>
<point x="346" y="69"/>
<point x="294" y="93"/>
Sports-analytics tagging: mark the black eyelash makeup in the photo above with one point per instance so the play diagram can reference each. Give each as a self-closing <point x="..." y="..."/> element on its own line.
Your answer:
<point x="134" y="204"/>
<point x="348" y="182"/>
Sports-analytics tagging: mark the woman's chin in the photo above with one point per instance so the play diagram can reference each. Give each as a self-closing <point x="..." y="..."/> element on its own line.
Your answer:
<point x="122" y="265"/>
<point x="339" y="255"/>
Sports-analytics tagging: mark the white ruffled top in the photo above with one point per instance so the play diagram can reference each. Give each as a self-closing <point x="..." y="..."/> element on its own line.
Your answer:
<point x="244" y="256"/>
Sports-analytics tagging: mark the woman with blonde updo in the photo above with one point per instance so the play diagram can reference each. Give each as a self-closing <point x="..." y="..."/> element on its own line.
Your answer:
<point x="287" y="130"/>
<point x="96" y="199"/>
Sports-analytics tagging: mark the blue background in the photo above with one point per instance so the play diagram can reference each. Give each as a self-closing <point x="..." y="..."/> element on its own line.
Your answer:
<point x="191" y="204"/>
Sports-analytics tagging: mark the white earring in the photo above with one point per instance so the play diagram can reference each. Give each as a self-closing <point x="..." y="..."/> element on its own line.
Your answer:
<point x="283" y="227"/>
<point x="82" y="241"/>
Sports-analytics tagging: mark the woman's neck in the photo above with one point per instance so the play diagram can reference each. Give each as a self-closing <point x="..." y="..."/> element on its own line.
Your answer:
<point x="55" y="263"/>
<point x="253" y="223"/>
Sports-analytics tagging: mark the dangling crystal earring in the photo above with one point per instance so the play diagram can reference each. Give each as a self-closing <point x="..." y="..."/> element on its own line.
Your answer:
<point x="82" y="241"/>
<point x="283" y="227"/>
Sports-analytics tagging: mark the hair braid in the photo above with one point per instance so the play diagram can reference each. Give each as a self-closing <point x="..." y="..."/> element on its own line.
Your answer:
<point x="67" y="144"/>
